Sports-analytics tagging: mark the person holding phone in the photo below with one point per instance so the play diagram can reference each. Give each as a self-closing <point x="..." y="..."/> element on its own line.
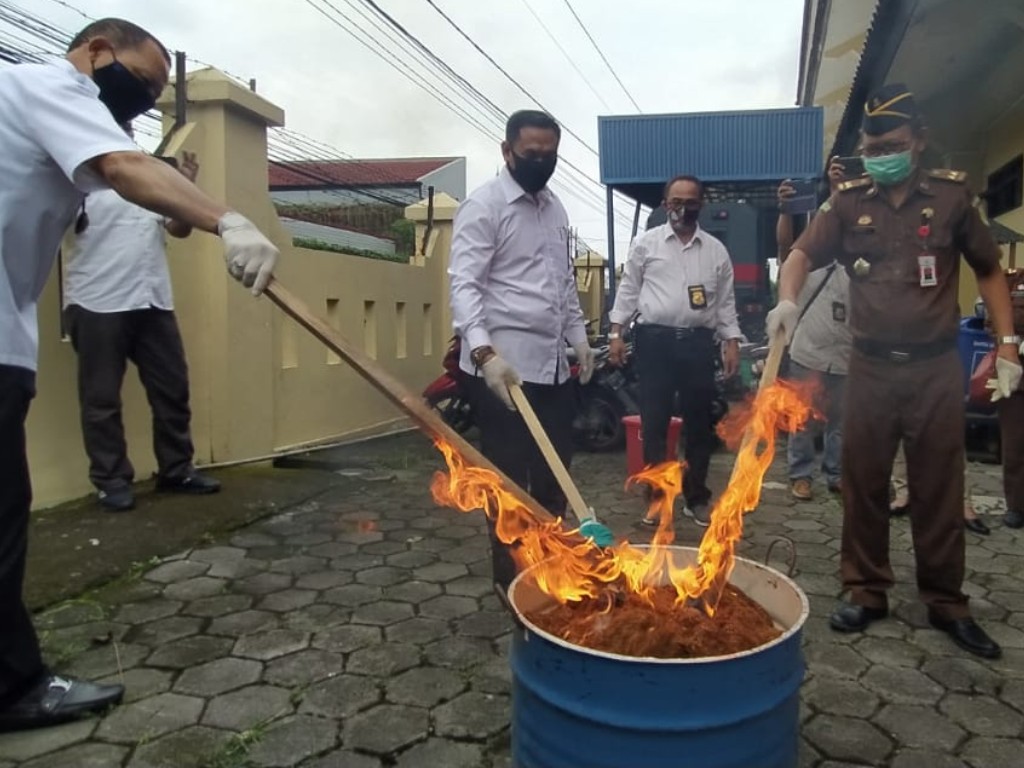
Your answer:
<point x="118" y="306"/>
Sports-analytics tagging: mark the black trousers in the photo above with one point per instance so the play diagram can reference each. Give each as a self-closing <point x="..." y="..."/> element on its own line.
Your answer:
<point x="670" y="362"/>
<point x="105" y="342"/>
<point x="506" y="441"/>
<point x="20" y="660"/>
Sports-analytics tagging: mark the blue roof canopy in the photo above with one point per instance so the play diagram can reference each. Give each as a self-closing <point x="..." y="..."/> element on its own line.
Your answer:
<point x="750" y="150"/>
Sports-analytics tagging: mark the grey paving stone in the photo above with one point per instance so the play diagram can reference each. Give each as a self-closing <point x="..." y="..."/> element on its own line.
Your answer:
<point x="889" y="652"/>
<point x="982" y="716"/>
<point x="352" y="595"/>
<point x="316" y="617"/>
<point x="106" y="660"/>
<point x="179" y="570"/>
<point x="303" y="668"/>
<point x="269" y="645"/>
<point x="466" y="554"/>
<point x="919" y="727"/>
<point x="419" y="631"/>
<point x="263" y="583"/>
<point x="1006" y="636"/>
<point x="192" y="746"/>
<point x="459" y="652"/>
<point x="382" y="613"/>
<point x="343" y="758"/>
<point x="141" y="682"/>
<point x="984" y="752"/>
<point x="235" y="570"/>
<point x="1010" y="664"/>
<point x="220" y="676"/>
<point x="321" y="580"/>
<point x="447" y="607"/>
<point x="450" y="754"/>
<point x="1013" y="694"/>
<point x="347" y="638"/>
<point x="381" y="576"/>
<point x="384" y="660"/>
<point x="357" y="561"/>
<point x="439" y="573"/>
<point x="220" y="605"/>
<point x="899" y="685"/>
<point x="470" y="586"/>
<point x="333" y="549"/>
<point x="387" y="547"/>
<point x="472" y="715"/>
<point x="292" y="740"/>
<point x="310" y="539"/>
<point x="287" y="600"/>
<point x="918" y="758"/>
<point x="25" y="745"/>
<point x="411" y="559"/>
<point x="247" y="707"/>
<point x="386" y="728"/>
<point x="218" y="554"/>
<point x="150" y="610"/>
<point x="424" y="687"/>
<point x="243" y="623"/>
<point x="839" y="697"/>
<point x="190" y="652"/>
<point x="298" y="565"/>
<point x="81" y="756"/>
<point x="164" y="630"/>
<point x="489" y="624"/>
<point x="193" y="589"/>
<point x="412" y="591"/>
<point x="845" y="738"/>
<point x="962" y="674"/>
<point x="69" y="615"/>
<point x="150" y="718"/>
<point x="341" y="696"/>
<point x="492" y="677"/>
<point x="250" y="538"/>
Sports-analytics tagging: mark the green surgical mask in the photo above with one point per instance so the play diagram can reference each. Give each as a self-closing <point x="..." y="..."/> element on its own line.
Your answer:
<point x="888" y="170"/>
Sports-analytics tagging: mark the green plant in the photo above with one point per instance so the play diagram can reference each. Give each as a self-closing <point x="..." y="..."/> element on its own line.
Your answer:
<point x="234" y="754"/>
<point x="319" y="245"/>
<point x="403" y="232"/>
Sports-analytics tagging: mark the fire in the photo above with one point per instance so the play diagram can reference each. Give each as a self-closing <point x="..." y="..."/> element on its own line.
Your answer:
<point x="571" y="569"/>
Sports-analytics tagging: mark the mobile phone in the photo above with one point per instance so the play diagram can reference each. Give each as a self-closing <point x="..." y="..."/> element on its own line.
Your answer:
<point x="804" y="199"/>
<point x="853" y="167"/>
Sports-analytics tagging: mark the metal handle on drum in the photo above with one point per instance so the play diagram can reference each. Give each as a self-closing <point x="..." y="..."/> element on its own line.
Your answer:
<point x="792" y="552"/>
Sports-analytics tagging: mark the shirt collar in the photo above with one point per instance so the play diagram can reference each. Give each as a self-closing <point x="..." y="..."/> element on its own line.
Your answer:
<point x="62" y="63"/>
<point x="513" y="191"/>
<point x="669" y="234"/>
<point x="920" y="184"/>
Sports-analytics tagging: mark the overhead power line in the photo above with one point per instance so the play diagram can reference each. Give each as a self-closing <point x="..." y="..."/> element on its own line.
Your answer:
<point x="601" y="54"/>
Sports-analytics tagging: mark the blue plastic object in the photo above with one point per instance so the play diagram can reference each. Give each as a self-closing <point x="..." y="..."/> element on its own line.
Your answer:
<point x="577" y="708"/>
<point x="599" y="532"/>
<point x="974" y="343"/>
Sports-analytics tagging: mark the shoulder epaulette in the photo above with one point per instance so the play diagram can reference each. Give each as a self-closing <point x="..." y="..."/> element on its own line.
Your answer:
<point x="947" y="174"/>
<point x="846" y="186"/>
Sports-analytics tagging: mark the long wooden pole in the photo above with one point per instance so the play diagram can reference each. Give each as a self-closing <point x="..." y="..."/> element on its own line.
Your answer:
<point x="425" y="417"/>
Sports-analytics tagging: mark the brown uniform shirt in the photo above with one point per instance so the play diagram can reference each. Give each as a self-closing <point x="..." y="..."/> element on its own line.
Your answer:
<point x="860" y="227"/>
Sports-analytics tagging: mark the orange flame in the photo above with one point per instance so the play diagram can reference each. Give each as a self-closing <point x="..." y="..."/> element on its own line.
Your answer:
<point x="570" y="569"/>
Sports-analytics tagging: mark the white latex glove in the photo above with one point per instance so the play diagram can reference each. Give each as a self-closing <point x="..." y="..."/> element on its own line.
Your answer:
<point x="499" y="376"/>
<point x="1007" y="381"/>
<point x="784" y="316"/>
<point x="250" y="256"/>
<point x="585" y="356"/>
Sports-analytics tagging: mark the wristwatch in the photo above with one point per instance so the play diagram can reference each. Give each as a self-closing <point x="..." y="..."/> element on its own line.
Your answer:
<point x="1015" y="340"/>
<point x="614" y="336"/>
<point x="482" y="354"/>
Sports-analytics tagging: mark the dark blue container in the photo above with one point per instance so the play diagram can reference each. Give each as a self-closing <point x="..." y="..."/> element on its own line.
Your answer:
<point x="974" y="343"/>
<point x="577" y="708"/>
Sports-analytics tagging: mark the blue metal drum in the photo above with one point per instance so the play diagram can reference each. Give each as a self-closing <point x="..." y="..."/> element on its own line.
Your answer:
<point x="577" y="708"/>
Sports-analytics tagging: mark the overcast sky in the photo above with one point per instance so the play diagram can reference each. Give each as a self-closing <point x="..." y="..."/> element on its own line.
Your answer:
<point x="679" y="56"/>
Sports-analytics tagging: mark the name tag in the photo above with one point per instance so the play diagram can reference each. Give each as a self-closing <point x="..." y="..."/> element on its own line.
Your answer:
<point x="927" y="275"/>
<point x="839" y="311"/>
<point x="698" y="296"/>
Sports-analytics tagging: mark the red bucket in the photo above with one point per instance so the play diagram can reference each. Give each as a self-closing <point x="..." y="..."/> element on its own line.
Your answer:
<point x="635" y="443"/>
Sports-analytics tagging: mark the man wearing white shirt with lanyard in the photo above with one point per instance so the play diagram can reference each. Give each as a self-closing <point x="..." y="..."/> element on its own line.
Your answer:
<point x="678" y="279"/>
<point x="514" y="305"/>
<point x="118" y="306"/>
<point x="60" y="138"/>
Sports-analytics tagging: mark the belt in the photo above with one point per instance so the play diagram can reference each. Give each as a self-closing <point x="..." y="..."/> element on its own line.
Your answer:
<point x="678" y="333"/>
<point x="903" y="353"/>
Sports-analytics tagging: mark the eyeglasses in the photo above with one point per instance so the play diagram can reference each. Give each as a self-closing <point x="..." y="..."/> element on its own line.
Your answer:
<point x="887" y="148"/>
<point x="676" y="204"/>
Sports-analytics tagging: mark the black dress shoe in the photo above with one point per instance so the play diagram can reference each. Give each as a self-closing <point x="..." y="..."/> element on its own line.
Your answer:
<point x="1013" y="519"/>
<point x="968" y="635"/>
<point x="976" y="525"/>
<point x="194" y="482"/>
<point x="118" y="499"/>
<point x="55" y="700"/>
<point x="850" y="617"/>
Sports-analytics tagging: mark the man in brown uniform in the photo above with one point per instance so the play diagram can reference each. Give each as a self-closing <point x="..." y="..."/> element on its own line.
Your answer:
<point x="899" y="232"/>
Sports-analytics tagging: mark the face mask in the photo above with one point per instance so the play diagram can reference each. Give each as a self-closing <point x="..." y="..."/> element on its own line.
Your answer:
<point x="889" y="169"/>
<point x="684" y="218"/>
<point x="533" y="174"/>
<point x="125" y="95"/>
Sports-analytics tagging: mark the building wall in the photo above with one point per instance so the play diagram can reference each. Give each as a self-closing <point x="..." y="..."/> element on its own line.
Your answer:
<point x="451" y="179"/>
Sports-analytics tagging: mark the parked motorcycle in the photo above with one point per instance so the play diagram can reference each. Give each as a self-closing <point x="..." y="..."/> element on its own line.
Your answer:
<point x="447" y="393"/>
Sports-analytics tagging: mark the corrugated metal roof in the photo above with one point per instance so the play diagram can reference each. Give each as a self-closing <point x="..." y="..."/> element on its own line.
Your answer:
<point x="350" y="173"/>
<point x="757" y="145"/>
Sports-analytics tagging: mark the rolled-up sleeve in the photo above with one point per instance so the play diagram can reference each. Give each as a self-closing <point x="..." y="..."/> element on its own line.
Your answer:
<point x="628" y="294"/>
<point x="726" y="323"/>
<point x="473" y="245"/>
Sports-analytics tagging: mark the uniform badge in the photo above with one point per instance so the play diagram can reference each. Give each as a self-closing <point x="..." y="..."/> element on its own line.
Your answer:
<point x="839" y="311"/>
<point x="926" y="271"/>
<point x="698" y="297"/>
<point x="864" y="221"/>
<point x="927" y="213"/>
<point x="825" y="207"/>
<point x="861" y="267"/>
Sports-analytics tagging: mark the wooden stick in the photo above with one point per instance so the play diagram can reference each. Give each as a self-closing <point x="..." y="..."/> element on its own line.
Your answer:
<point x="572" y="493"/>
<point x="425" y="417"/>
<point x="770" y="373"/>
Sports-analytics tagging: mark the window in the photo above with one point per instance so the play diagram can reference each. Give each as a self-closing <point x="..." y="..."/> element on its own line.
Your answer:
<point x="1005" y="187"/>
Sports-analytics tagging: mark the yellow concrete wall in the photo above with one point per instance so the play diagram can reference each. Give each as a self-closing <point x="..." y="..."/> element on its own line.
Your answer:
<point x="260" y="383"/>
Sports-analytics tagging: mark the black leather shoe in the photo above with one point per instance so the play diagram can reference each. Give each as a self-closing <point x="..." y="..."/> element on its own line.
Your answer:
<point x="968" y="635"/>
<point x="119" y="499"/>
<point x="194" y="482"/>
<point x="1013" y="519"/>
<point x="55" y="700"/>
<point x="850" y="617"/>
<point x="976" y="525"/>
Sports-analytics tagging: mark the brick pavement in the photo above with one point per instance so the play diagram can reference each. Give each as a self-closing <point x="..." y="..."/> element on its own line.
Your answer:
<point x="358" y="630"/>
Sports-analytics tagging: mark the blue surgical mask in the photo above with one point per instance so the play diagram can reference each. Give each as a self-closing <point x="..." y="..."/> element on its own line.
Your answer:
<point x="888" y="170"/>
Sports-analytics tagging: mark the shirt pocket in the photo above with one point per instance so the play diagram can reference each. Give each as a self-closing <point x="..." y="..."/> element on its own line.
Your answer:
<point x="862" y="242"/>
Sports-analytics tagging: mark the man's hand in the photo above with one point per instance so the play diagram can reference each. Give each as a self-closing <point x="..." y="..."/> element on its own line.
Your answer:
<point x="616" y="352"/>
<point x="731" y="358"/>
<point x="499" y="376"/>
<point x="1008" y="374"/>
<point x="189" y="166"/>
<point x="250" y="256"/>
<point x="585" y="356"/>
<point x="784" y="317"/>
<point x="836" y="173"/>
<point x="785" y="191"/>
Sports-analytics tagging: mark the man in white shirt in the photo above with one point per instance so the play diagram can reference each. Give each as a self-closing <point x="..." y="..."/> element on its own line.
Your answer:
<point x="514" y="305"/>
<point x="118" y="307"/>
<point x="678" y="280"/>
<point x="59" y="138"/>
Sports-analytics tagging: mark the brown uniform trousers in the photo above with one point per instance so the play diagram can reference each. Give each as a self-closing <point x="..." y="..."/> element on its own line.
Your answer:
<point x="1011" y="427"/>
<point x="920" y="402"/>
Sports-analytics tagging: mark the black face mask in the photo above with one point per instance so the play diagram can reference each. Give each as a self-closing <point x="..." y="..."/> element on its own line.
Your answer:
<point x="686" y="216"/>
<point x="124" y="93"/>
<point x="532" y="174"/>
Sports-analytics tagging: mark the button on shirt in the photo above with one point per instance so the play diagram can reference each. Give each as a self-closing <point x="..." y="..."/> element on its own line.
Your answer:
<point x="680" y="285"/>
<point x="118" y="263"/>
<point x="51" y="125"/>
<point x="512" y="281"/>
